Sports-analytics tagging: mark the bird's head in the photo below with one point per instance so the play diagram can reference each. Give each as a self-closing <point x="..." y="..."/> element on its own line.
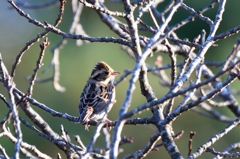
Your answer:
<point x="102" y="72"/>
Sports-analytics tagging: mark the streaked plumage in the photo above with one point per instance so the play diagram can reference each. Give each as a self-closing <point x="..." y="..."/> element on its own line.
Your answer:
<point x="98" y="95"/>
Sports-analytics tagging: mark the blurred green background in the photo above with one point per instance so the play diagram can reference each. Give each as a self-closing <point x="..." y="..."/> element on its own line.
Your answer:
<point x="76" y="64"/>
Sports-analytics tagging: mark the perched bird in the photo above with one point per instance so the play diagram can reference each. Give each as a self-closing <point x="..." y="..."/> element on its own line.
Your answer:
<point x="98" y="95"/>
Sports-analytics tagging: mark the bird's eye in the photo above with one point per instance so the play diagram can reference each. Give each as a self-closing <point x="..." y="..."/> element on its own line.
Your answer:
<point x="106" y="73"/>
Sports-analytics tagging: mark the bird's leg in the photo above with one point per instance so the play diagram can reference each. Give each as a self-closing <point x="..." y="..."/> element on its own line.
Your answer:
<point x="107" y="122"/>
<point x="86" y="125"/>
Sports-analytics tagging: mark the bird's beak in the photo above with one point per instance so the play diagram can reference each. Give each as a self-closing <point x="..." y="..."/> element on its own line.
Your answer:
<point x="115" y="73"/>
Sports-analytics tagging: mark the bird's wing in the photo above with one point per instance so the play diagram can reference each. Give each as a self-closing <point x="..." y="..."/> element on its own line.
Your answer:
<point x="95" y="97"/>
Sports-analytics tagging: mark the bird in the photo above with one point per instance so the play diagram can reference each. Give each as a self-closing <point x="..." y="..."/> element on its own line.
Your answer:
<point x="98" y="95"/>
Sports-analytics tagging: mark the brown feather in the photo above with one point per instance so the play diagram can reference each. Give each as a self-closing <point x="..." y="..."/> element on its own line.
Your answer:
<point x="95" y="97"/>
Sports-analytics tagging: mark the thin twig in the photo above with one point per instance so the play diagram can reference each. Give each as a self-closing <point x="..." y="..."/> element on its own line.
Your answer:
<point x="43" y="47"/>
<point x="41" y="35"/>
<point x="192" y="134"/>
<point x="214" y="139"/>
